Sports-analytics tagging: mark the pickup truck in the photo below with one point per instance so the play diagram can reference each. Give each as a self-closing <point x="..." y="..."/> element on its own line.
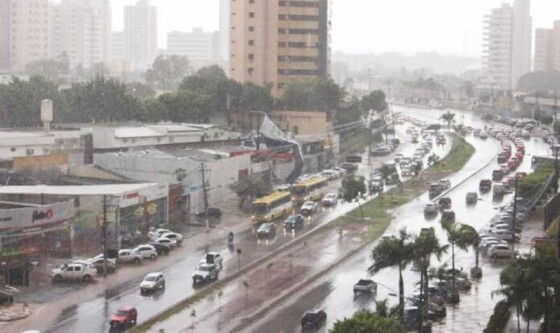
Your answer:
<point x="365" y="287"/>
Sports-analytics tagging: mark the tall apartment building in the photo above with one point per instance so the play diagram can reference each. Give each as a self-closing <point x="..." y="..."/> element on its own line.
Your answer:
<point x="197" y="46"/>
<point x="278" y="41"/>
<point x="23" y="33"/>
<point x="225" y="14"/>
<point x="140" y="34"/>
<point x="117" y="46"/>
<point x="507" y="44"/>
<point x="85" y="31"/>
<point x="547" y="49"/>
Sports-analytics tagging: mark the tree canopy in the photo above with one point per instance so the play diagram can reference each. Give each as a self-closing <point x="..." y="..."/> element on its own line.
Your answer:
<point x="368" y="322"/>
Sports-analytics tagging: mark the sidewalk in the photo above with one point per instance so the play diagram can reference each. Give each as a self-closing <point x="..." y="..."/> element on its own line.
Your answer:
<point x="14" y="312"/>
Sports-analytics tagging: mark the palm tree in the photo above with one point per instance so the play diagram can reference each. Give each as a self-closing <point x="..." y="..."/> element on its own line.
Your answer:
<point x="426" y="245"/>
<point x="462" y="236"/>
<point x="394" y="251"/>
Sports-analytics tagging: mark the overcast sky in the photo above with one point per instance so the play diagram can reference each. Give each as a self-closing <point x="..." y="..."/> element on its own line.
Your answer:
<point x="370" y="26"/>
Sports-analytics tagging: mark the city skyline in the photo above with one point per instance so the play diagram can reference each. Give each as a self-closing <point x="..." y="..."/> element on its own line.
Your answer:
<point x="462" y="36"/>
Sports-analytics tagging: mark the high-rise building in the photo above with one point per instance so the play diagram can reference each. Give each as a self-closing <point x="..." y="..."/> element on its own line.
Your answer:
<point x="275" y="42"/>
<point x="86" y="31"/>
<point x="547" y="48"/>
<point x="507" y="44"/>
<point x="23" y="33"/>
<point x="197" y="46"/>
<point x="117" y="46"/>
<point x="140" y="34"/>
<point x="225" y="14"/>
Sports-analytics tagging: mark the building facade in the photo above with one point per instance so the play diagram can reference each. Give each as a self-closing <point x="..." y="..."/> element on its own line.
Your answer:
<point x="507" y="45"/>
<point x="225" y="14"/>
<point x="140" y="34"/>
<point x="23" y="33"/>
<point x="275" y="42"/>
<point x="197" y="45"/>
<point x="547" y="48"/>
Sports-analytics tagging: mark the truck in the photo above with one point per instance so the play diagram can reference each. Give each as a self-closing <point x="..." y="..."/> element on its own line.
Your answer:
<point x="376" y="185"/>
<point x="365" y="286"/>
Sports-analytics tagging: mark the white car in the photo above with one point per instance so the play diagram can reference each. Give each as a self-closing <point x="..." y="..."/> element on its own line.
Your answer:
<point x="330" y="200"/>
<point x="86" y="263"/>
<point x="501" y="251"/>
<point x="147" y="251"/>
<point x="329" y="174"/>
<point x="152" y="282"/>
<point x="212" y="258"/>
<point x="129" y="256"/>
<point x="173" y="236"/>
<point x="166" y="241"/>
<point x="308" y="208"/>
<point x="160" y="232"/>
<point x="76" y="272"/>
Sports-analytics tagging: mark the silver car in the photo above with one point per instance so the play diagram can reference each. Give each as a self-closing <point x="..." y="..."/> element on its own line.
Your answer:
<point x="152" y="282"/>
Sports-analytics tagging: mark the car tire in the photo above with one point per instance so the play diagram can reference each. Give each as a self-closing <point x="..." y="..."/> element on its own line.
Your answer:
<point x="153" y="257"/>
<point x="111" y="270"/>
<point x="136" y="260"/>
<point x="163" y="286"/>
<point x="57" y="278"/>
<point x="86" y="278"/>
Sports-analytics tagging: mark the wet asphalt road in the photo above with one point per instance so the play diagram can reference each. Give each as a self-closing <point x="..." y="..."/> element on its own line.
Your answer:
<point x="333" y="293"/>
<point x="92" y="315"/>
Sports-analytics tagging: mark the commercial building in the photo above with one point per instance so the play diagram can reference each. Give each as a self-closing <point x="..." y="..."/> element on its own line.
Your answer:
<point x="301" y="122"/>
<point x="547" y="48"/>
<point x="507" y="45"/>
<point x="198" y="46"/>
<point x="140" y="34"/>
<point x="275" y="42"/>
<point x="23" y="33"/>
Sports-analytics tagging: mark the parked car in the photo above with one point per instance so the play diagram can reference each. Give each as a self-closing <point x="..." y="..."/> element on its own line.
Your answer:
<point x="76" y="272"/>
<point x="406" y="171"/>
<point x="129" y="256"/>
<point x="205" y="273"/>
<point x="308" y="208"/>
<point x="173" y="236"/>
<point x="498" y="190"/>
<point x="313" y="320"/>
<point x="485" y="185"/>
<point x="266" y="231"/>
<point x="431" y="209"/>
<point x="213" y="258"/>
<point x="294" y="222"/>
<point x="6" y="298"/>
<point x="376" y="185"/>
<point x="497" y="175"/>
<point x="99" y="264"/>
<point x="444" y="203"/>
<point x="147" y="251"/>
<point x="152" y="282"/>
<point x="472" y="198"/>
<point x="330" y="200"/>
<point x="167" y="242"/>
<point x="501" y="251"/>
<point x="123" y="318"/>
<point x="161" y="249"/>
<point x="212" y="212"/>
<point x="365" y="286"/>
<point x="445" y="184"/>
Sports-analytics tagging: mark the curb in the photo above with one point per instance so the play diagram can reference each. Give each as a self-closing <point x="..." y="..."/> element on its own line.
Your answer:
<point x="7" y="316"/>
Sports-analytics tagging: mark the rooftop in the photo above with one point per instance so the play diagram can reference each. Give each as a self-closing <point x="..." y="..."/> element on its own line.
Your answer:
<point x="75" y="190"/>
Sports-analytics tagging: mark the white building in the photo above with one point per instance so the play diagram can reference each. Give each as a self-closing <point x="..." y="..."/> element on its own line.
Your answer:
<point x="140" y="34"/>
<point x="507" y="45"/>
<point x="547" y="48"/>
<point x="86" y="31"/>
<point x="23" y="33"/>
<point x="225" y="12"/>
<point x="21" y="144"/>
<point x="197" y="46"/>
<point x="117" y="46"/>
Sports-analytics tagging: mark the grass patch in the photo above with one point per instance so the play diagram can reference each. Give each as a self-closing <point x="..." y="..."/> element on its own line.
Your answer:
<point x="459" y="155"/>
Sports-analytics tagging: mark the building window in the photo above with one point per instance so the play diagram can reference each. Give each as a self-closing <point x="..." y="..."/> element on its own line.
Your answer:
<point x="251" y="15"/>
<point x="251" y="57"/>
<point x="251" y="1"/>
<point x="46" y="150"/>
<point x="250" y="70"/>
<point x="30" y="152"/>
<point x="13" y="149"/>
<point x="251" y="28"/>
<point x="251" y="42"/>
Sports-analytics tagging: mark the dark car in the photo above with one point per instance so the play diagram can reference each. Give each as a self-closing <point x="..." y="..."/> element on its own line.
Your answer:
<point x="444" y="203"/>
<point x="214" y="213"/>
<point x="485" y="185"/>
<point x="313" y="320"/>
<point x="448" y="216"/>
<point x="100" y="264"/>
<point x="349" y="167"/>
<point x="497" y="175"/>
<point x="6" y="298"/>
<point x="161" y="248"/>
<point x="266" y="231"/>
<point x="123" y="318"/>
<point x="294" y="222"/>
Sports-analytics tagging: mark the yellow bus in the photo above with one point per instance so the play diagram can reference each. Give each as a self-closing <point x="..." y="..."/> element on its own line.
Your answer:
<point x="312" y="189"/>
<point x="271" y="207"/>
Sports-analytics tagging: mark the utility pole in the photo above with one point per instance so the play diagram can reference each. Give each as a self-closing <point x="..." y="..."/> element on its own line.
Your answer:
<point x="555" y="106"/>
<point x="104" y="236"/>
<point x="205" y="191"/>
<point x="514" y="216"/>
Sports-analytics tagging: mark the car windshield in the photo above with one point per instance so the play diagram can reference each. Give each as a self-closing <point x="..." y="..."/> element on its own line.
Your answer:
<point x="204" y="268"/>
<point x="299" y="190"/>
<point x="260" y="209"/>
<point x="121" y="313"/>
<point x="150" y="278"/>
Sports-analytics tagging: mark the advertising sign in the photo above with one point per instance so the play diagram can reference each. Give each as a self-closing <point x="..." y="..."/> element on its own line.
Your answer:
<point x="36" y="216"/>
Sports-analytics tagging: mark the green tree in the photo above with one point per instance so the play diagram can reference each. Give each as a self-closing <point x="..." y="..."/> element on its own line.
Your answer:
<point x="349" y="111"/>
<point x="556" y="126"/>
<point x="51" y="69"/>
<point x="461" y="236"/>
<point x="140" y="90"/>
<point x="167" y="72"/>
<point x="353" y="187"/>
<point x="449" y="118"/>
<point x="187" y="106"/>
<point x="394" y="251"/>
<point x="319" y="94"/>
<point x="367" y="322"/>
<point x="376" y="101"/>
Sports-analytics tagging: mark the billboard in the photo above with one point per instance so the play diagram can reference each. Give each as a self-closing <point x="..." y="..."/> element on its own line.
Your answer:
<point x="36" y="216"/>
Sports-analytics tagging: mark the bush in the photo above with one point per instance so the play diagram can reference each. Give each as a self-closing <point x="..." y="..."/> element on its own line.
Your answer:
<point x="530" y="184"/>
<point x="499" y="318"/>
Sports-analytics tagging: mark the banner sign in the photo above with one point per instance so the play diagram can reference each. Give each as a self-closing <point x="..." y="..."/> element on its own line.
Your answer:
<point x="37" y="216"/>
